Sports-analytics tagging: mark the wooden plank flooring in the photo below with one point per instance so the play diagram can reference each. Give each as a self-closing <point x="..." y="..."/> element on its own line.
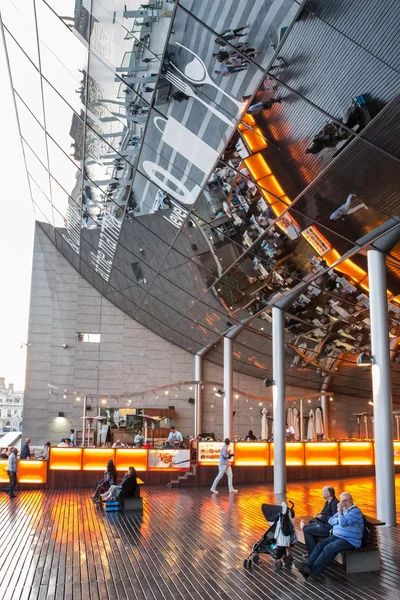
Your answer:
<point x="187" y="545"/>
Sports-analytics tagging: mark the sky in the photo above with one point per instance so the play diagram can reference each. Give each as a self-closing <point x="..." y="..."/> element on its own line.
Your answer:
<point x="16" y="240"/>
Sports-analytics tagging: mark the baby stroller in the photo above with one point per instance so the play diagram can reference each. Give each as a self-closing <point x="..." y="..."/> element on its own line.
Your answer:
<point x="278" y="539"/>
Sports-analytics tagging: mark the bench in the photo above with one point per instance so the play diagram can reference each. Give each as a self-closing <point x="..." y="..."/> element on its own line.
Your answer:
<point x="357" y="560"/>
<point x="128" y="503"/>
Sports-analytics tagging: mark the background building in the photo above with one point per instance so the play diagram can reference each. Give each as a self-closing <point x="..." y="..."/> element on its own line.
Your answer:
<point x="11" y="407"/>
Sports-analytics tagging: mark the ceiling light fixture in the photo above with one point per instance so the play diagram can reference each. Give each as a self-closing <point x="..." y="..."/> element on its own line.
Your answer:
<point x="268" y="382"/>
<point x="364" y="360"/>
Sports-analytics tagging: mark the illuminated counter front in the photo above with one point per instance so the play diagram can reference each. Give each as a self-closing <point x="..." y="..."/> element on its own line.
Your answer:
<point x="251" y="454"/>
<point x="323" y="453"/>
<point x="127" y="457"/>
<point x="396" y="448"/>
<point x="65" y="459"/>
<point x="294" y="454"/>
<point x="356" y="453"/>
<point x="96" y="459"/>
<point x="29" y="471"/>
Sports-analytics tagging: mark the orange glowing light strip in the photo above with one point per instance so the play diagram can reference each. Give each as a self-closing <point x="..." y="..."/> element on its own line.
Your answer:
<point x="356" y="453"/>
<point x="65" y="459"/>
<point x="126" y="457"/>
<point x="95" y="459"/>
<point x="326" y="453"/>
<point x="294" y="454"/>
<point x="251" y="454"/>
<point x="32" y="471"/>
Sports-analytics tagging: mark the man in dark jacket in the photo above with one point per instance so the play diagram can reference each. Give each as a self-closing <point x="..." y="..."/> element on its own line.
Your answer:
<point x="25" y="450"/>
<point x="319" y="527"/>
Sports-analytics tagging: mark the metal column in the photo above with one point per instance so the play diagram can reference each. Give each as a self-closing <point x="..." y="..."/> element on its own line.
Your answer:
<point x="325" y="414"/>
<point x="278" y="397"/>
<point x="198" y="405"/>
<point x="382" y="389"/>
<point x="228" y="388"/>
<point x="84" y="421"/>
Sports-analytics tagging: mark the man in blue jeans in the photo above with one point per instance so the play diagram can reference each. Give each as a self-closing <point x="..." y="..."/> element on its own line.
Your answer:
<point x="347" y="533"/>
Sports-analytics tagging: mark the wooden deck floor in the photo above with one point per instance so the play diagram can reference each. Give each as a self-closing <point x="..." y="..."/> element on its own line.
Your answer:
<point x="187" y="545"/>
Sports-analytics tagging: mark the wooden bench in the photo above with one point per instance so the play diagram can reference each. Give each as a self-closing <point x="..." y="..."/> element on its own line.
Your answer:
<point x="132" y="502"/>
<point x="357" y="560"/>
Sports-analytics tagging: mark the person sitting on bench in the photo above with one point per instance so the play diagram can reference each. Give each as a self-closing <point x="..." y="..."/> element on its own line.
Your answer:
<point x="347" y="534"/>
<point x="319" y="527"/>
<point x="126" y="489"/>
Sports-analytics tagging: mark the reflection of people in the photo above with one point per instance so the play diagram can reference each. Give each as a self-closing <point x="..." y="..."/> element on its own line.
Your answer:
<point x="319" y="526"/>
<point x="230" y="34"/>
<point x="224" y="467"/>
<point x="348" y="528"/>
<point x="138" y="440"/>
<point x="167" y="445"/>
<point x="255" y="109"/>
<point x="250" y="437"/>
<point x="175" y="437"/>
<point x="346" y="209"/>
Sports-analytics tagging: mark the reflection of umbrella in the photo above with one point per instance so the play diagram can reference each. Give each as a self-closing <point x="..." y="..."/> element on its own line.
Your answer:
<point x="264" y="424"/>
<point x="319" y="424"/>
<point x="296" y="424"/>
<point x="310" y="427"/>
<point x="289" y="417"/>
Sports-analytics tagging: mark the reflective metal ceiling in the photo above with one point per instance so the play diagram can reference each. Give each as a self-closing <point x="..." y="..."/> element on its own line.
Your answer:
<point x="123" y="180"/>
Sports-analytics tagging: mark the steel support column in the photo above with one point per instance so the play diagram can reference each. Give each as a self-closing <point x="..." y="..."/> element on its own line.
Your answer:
<point x="325" y="414"/>
<point x="228" y="388"/>
<point x="382" y="389"/>
<point x="278" y="398"/>
<point x="198" y="404"/>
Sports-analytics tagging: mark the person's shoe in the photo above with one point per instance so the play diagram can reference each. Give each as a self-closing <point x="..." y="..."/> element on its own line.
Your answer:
<point x="213" y="491"/>
<point x="303" y="568"/>
<point x="233" y="491"/>
<point x="13" y="496"/>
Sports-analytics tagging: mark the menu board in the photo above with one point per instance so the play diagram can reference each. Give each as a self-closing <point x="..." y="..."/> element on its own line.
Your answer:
<point x="171" y="460"/>
<point x="317" y="241"/>
<point x="208" y="453"/>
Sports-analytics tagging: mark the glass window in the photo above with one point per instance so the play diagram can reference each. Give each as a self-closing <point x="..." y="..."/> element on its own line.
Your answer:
<point x="61" y="51"/>
<point x="73" y="14"/>
<point x="37" y="170"/>
<point x="63" y="124"/>
<point x="65" y="172"/>
<point x="41" y="201"/>
<point x="20" y="21"/>
<point x="31" y="130"/>
<point x="93" y="338"/>
<point x="25" y="77"/>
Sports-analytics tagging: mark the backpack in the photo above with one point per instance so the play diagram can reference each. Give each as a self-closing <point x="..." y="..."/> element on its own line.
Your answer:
<point x="366" y="533"/>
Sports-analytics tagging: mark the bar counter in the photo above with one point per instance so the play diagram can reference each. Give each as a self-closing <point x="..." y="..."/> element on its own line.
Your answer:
<point x="247" y="457"/>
